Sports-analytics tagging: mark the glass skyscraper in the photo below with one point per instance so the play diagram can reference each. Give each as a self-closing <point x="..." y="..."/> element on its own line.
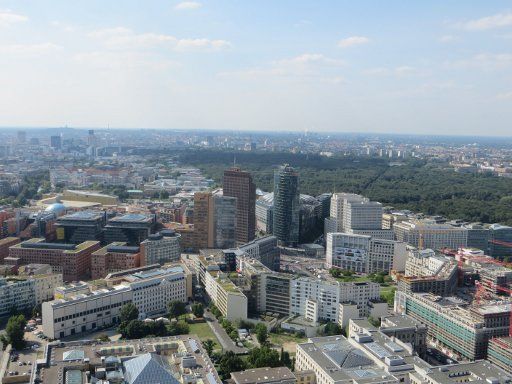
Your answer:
<point x="286" y="206"/>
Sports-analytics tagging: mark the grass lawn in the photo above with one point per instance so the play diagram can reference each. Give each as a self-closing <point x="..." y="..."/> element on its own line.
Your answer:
<point x="280" y="339"/>
<point x="203" y="332"/>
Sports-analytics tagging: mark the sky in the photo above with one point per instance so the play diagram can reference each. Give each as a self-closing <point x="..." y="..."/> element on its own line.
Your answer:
<point x="428" y="67"/>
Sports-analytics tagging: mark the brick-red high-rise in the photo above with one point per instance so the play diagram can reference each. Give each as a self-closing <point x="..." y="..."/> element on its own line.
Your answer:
<point x="239" y="184"/>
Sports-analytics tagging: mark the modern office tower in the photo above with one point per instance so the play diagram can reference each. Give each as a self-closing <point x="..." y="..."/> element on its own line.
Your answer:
<point x="203" y="220"/>
<point x="132" y="228"/>
<point x="150" y="289"/>
<point x="239" y="184"/>
<point x="364" y="254"/>
<point x="160" y="248"/>
<point x="114" y="257"/>
<point x="224" y="221"/>
<point x="56" y="142"/>
<point x="500" y="241"/>
<point x="354" y="213"/>
<point x="73" y="261"/>
<point x="81" y="226"/>
<point x="432" y="235"/>
<point x="286" y="206"/>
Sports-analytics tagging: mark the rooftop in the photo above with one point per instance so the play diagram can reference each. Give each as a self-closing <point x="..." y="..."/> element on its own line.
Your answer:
<point x="262" y="375"/>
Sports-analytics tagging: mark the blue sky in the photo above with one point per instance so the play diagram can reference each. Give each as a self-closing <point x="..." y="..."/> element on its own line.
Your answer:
<point x="435" y="67"/>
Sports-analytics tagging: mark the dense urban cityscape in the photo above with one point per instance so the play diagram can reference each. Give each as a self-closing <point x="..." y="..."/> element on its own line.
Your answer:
<point x="255" y="192"/>
<point x="159" y="256"/>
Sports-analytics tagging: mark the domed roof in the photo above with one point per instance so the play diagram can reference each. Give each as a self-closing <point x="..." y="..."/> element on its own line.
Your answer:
<point x="57" y="208"/>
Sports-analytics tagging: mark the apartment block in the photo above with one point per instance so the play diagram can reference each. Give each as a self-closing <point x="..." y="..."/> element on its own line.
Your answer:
<point x="5" y="243"/>
<point x="71" y="260"/>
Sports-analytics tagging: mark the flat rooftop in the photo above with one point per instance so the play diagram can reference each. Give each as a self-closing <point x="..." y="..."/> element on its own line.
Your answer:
<point x="476" y="372"/>
<point x="132" y="218"/>
<point x="262" y="375"/>
<point x="83" y="216"/>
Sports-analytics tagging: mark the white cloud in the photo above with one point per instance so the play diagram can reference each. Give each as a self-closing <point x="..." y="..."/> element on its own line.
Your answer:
<point x="499" y="20"/>
<point x="7" y="18"/>
<point x="124" y="38"/>
<point x="29" y="49"/>
<point x="505" y="96"/>
<point x="306" y="66"/>
<point x="448" y="39"/>
<point x="188" y="5"/>
<point x="308" y="58"/>
<point x="484" y="61"/>
<point x="353" y="41"/>
<point x="122" y="60"/>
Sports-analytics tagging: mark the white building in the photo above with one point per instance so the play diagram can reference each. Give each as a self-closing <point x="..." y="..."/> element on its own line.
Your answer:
<point x="364" y="254"/>
<point x="149" y="289"/>
<point x="317" y="299"/>
<point x="428" y="234"/>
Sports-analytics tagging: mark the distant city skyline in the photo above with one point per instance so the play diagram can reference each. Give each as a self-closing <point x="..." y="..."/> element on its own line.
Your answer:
<point x="433" y="68"/>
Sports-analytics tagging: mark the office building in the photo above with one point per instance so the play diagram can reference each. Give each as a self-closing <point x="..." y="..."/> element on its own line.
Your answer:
<point x="240" y="185"/>
<point x="278" y="375"/>
<point x="428" y="234"/>
<point x="317" y="299"/>
<point x="475" y="372"/>
<point x="170" y="360"/>
<point x="160" y="248"/>
<point x="132" y="228"/>
<point x="265" y="213"/>
<point x="407" y="330"/>
<point x="224" y="221"/>
<point x="364" y="254"/>
<point x="265" y="250"/>
<point x="462" y="329"/>
<point x="56" y="142"/>
<point x="5" y="244"/>
<point x="71" y="260"/>
<point x="114" y="257"/>
<point x="334" y="360"/>
<point x="478" y="236"/>
<point x="500" y="241"/>
<point x="286" y="206"/>
<point x="226" y="296"/>
<point x="81" y="226"/>
<point x="204" y="220"/>
<point x="149" y="289"/>
<point x="500" y="353"/>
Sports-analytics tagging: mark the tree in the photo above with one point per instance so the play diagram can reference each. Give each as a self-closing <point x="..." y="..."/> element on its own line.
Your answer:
<point x="15" y="331"/>
<point x="135" y="329"/>
<point x="176" y="309"/>
<point x="103" y="337"/>
<point x="164" y="195"/>
<point x="208" y="346"/>
<point x="373" y="321"/>
<point x="285" y="359"/>
<point x="128" y="312"/>
<point x="198" y="309"/>
<point x="331" y="329"/>
<point x="229" y="362"/>
<point x="261" y="333"/>
<point x="233" y="334"/>
<point x="264" y="357"/>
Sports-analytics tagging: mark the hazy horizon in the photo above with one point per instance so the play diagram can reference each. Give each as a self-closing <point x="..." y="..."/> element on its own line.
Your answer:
<point x="430" y="68"/>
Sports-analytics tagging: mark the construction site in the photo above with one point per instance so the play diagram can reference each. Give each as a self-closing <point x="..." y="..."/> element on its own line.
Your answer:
<point x="464" y="298"/>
